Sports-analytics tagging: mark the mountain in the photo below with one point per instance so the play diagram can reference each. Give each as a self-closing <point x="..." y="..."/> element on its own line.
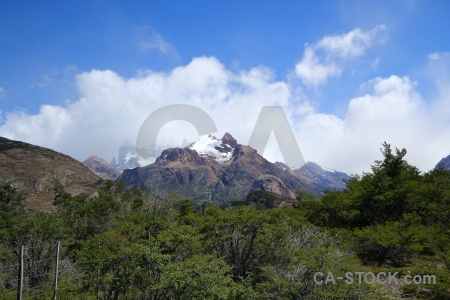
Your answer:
<point x="39" y="170"/>
<point x="127" y="159"/>
<point x="322" y="178"/>
<point x="101" y="168"/>
<point x="446" y="162"/>
<point x="222" y="171"/>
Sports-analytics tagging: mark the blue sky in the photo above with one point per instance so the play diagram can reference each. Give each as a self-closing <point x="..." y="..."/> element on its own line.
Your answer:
<point x="62" y="63"/>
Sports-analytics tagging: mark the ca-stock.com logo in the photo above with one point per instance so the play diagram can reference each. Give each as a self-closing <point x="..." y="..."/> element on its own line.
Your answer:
<point x="270" y="119"/>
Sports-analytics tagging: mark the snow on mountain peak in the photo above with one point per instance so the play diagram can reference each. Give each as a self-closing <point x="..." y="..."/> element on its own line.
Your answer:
<point x="209" y="145"/>
<point x="328" y="170"/>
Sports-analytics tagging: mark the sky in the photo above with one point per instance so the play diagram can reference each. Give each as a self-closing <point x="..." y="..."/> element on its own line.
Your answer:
<point x="81" y="77"/>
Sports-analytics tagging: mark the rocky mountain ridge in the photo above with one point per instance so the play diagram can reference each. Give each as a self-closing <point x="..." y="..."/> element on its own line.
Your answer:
<point x="223" y="170"/>
<point x="216" y="170"/>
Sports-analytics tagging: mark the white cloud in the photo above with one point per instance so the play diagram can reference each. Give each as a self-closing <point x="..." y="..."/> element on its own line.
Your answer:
<point x="147" y="38"/>
<point x="351" y="44"/>
<point x="112" y="108"/>
<point x="393" y="112"/>
<point x="314" y="73"/>
<point x="434" y="56"/>
<point x="328" y="56"/>
<point x="438" y="70"/>
<point x="2" y="92"/>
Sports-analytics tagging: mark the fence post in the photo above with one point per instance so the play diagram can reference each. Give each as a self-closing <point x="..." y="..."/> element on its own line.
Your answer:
<point x="56" y="269"/>
<point x="98" y="284"/>
<point x="20" y="285"/>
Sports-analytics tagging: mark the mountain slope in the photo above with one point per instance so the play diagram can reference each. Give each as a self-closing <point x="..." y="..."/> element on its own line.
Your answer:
<point x="38" y="170"/>
<point x="322" y="179"/>
<point x="101" y="168"/>
<point x="221" y="171"/>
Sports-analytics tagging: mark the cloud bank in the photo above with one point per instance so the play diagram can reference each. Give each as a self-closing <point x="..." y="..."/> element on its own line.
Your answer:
<point x="327" y="57"/>
<point x="112" y="108"/>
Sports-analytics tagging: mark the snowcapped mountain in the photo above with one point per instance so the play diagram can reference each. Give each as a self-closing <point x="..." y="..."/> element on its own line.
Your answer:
<point x="222" y="170"/>
<point x="127" y="159"/>
<point x="211" y="146"/>
<point x="207" y="146"/>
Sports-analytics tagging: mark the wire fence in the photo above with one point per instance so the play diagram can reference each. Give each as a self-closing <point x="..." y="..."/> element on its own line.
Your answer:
<point x="34" y="276"/>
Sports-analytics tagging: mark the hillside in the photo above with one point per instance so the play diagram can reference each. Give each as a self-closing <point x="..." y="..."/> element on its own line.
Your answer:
<point x="37" y="171"/>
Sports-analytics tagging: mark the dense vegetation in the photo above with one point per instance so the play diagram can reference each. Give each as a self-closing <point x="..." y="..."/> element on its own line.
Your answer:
<point x="129" y="244"/>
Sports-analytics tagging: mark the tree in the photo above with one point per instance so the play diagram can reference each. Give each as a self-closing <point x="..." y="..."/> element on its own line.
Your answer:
<point x="373" y="198"/>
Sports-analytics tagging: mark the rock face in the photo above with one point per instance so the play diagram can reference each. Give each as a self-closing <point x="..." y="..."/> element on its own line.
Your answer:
<point x="38" y="170"/>
<point x="101" y="168"/>
<point x="227" y="139"/>
<point x="222" y="170"/>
